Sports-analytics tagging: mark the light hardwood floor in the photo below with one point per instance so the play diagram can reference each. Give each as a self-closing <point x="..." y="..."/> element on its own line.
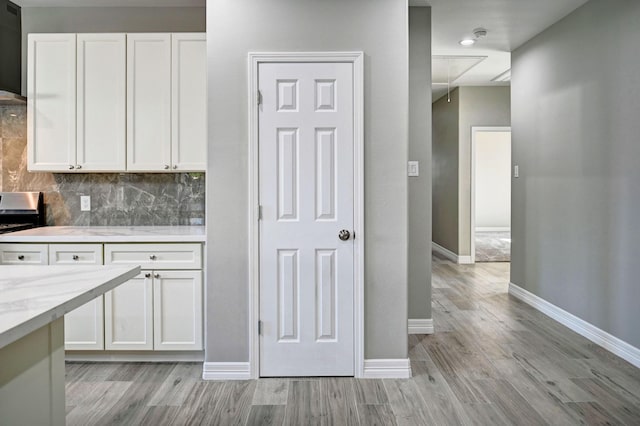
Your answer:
<point x="492" y="361"/>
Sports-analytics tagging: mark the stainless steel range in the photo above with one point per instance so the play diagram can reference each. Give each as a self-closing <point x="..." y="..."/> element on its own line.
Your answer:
<point x="21" y="210"/>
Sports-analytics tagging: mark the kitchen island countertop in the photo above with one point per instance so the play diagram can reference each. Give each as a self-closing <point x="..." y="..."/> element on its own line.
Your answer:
<point x="34" y="296"/>
<point x="107" y="234"/>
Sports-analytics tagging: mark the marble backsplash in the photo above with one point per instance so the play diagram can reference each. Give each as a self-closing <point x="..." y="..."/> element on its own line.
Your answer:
<point x="117" y="199"/>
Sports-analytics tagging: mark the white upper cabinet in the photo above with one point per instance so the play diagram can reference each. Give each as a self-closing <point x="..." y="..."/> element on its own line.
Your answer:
<point x="117" y="102"/>
<point x="51" y="103"/>
<point x="188" y="101"/>
<point x="148" y="102"/>
<point x="101" y="102"/>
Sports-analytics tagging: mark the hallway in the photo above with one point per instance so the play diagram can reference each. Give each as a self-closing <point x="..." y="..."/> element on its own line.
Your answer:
<point x="492" y="361"/>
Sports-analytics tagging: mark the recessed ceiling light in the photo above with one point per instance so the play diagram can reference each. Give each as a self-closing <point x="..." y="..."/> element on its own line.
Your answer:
<point x="467" y="42"/>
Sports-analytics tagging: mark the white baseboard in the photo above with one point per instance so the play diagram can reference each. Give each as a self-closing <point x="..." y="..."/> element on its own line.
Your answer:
<point x="158" y="356"/>
<point x="387" y="369"/>
<point x="226" y="371"/>
<point x="580" y="326"/>
<point x="461" y="260"/>
<point x="493" y="229"/>
<point x="421" y="326"/>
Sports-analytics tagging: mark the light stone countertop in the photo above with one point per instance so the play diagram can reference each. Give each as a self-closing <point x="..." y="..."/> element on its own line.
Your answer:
<point x="107" y="234"/>
<point x="31" y="297"/>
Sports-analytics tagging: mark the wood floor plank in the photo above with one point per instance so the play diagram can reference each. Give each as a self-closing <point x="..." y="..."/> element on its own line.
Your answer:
<point x="266" y="415"/>
<point x="303" y="404"/>
<point x="441" y="402"/>
<point x="627" y="412"/>
<point x="234" y="403"/>
<point x="592" y="414"/>
<point x="370" y="391"/>
<point x="93" y="400"/>
<point x="200" y="403"/>
<point x="271" y="392"/>
<point x="508" y="400"/>
<point x="338" y="401"/>
<point x="376" y="415"/>
<point x="407" y="404"/>
<point x="175" y="388"/>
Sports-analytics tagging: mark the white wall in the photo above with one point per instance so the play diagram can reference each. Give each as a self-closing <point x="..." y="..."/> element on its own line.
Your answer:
<point x="493" y="180"/>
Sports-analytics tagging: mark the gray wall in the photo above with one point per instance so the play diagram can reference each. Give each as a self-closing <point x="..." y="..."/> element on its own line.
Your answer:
<point x="379" y="28"/>
<point x="420" y="149"/>
<point x="452" y="123"/>
<point x="575" y="136"/>
<point x="479" y="106"/>
<point x="107" y="19"/>
<point x="445" y="171"/>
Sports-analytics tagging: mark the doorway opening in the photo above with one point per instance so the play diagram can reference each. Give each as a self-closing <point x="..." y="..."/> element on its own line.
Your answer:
<point x="490" y="194"/>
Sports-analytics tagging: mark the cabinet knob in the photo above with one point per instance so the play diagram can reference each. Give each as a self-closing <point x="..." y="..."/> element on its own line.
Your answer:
<point x="153" y="257"/>
<point x="166" y="167"/>
<point x="78" y="166"/>
<point x="156" y="275"/>
<point x="21" y="257"/>
<point x="71" y="167"/>
<point x="147" y="275"/>
<point x="75" y="257"/>
<point x="175" y="166"/>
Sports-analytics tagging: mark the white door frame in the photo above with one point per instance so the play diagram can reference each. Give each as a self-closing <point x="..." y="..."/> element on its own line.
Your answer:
<point x="474" y="131"/>
<point x="357" y="59"/>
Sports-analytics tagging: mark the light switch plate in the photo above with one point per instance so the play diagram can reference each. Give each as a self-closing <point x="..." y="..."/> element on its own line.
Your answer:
<point x="85" y="203"/>
<point x="413" y="168"/>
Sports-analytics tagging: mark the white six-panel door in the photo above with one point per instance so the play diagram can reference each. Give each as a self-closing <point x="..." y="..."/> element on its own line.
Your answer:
<point x="306" y="160"/>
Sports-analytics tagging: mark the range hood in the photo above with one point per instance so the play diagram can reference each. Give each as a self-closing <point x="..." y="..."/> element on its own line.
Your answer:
<point x="11" y="54"/>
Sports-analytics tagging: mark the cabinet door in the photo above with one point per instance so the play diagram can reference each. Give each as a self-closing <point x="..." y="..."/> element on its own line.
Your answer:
<point x="51" y="102"/>
<point x="24" y="254"/>
<point x="101" y="102"/>
<point x="177" y="310"/>
<point x="148" y="102"/>
<point x="189" y="101"/>
<point x="84" y="326"/>
<point x="128" y="315"/>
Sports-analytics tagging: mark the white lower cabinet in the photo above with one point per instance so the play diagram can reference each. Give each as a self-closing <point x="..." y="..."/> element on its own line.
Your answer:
<point x="177" y="310"/>
<point x="167" y="314"/>
<point x="84" y="326"/>
<point x="159" y="310"/>
<point x="129" y="315"/>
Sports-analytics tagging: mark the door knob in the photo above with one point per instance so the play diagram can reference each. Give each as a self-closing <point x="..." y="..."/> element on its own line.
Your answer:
<point x="344" y="235"/>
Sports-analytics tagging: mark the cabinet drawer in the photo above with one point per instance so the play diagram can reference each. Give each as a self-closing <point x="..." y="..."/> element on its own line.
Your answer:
<point x="24" y="254"/>
<point x="75" y="254"/>
<point x="155" y="256"/>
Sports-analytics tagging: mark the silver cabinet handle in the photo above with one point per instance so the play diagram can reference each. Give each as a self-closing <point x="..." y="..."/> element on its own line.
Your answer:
<point x="78" y="167"/>
<point x="153" y="257"/>
<point x="21" y="257"/>
<point x="166" y="167"/>
<point x="175" y="166"/>
<point x="147" y="275"/>
<point x="71" y="167"/>
<point x="156" y="275"/>
<point x="75" y="257"/>
<point x="344" y="235"/>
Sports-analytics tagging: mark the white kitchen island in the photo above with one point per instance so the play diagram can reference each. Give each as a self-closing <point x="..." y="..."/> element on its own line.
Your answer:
<point x="33" y="302"/>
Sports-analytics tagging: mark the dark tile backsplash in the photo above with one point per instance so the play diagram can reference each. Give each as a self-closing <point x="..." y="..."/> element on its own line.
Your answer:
<point x="117" y="199"/>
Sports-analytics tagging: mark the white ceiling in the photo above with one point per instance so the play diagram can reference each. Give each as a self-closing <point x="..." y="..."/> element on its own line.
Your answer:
<point x="509" y="23"/>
